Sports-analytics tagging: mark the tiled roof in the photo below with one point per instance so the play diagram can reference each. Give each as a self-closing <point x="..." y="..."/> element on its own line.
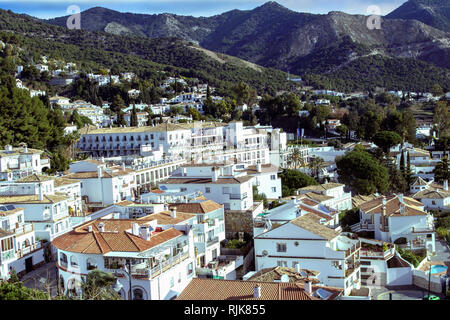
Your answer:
<point x="317" y="196"/>
<point x="61" y="181"/>
<point x="432" y="194"/>
<point x="360" y="199"/>
<point x="265" y="168"/>
<point x="412" y="206"/>
<point x="115" y="238"/>
<point x="322" y="187"/>
<point x="94" y="174"/>
<point x="18" y="151"/>
<point x="419" y="182"/>
<point x="197" y="207"/>
<point x="164" y="217"/>
<point x="124" y="203"/>
<point x="213" y="289"/>
<point x="310" y="223"/>
<point x="275" y="273"/>
<point x="157" y="191"/>
<point x="33" y="198"/>
<point x="316" y="212"/>
<point x="35" y="178"/>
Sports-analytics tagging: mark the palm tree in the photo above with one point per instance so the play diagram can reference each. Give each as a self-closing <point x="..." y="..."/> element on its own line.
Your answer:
<point x="315" y="164"/>
<point x="296" y="159"/>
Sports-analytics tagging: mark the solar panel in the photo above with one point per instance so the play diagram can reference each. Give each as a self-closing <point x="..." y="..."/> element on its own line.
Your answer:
<point x="324" y="294"/>
<point x="10" y="207"/>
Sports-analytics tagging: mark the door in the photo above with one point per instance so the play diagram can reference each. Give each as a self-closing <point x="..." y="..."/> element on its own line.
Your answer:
<point x="29" y="264"/>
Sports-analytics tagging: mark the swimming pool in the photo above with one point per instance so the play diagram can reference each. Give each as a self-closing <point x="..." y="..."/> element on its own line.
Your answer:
<point x="438" y="269"/>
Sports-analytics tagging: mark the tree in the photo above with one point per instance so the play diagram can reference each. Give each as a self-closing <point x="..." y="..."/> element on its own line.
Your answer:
<point x="441" y="171"/>
<point x="437" y="90"/>
<point x="134" y="118"/>
<point x="292" y="180"/>
<point x="386" y="139"/>
<point x="296" y="159"/>
<point x="98" y="286"/>
<point x="441" y="118"/>
<point x="315" y="165"/>
<point x="362" y="172"/>
<point x="121" y="118"/>
<point x="13" y="289"/>
<point x="342" y="130"/>
<point x="117" y="103"/>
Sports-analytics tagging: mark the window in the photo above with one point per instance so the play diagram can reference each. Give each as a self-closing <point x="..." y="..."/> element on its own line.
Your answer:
<point x="7" y="244"/>
<point x="274" y="189"/>
<point x="281" y="247"/>
<point x="19" y="218"/>
<point x="73" y="261"/>
<point x="273" y="177"/>
<point x="207" y="190"/>
<point x="282" y="263"/>
<point x="138" y="294"/>
<point x="63" y="260"/>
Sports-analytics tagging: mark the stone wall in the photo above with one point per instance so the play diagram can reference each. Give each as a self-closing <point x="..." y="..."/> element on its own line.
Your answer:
<point x="238" y="221"/>
<point x="420" y="279"/>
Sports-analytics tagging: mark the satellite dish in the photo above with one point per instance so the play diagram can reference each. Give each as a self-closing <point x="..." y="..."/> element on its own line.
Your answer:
<point x="284" y="278"/>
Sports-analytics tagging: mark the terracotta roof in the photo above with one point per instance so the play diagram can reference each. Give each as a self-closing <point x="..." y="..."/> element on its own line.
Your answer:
<point x="316" y="212"/>
<point x="34" y="178"/>
<point x="432" y="194"/>
<point x="317" y="196"/>
<point x="157" y="191"/>
<point x="234" y="180"/>
<point x="94" y="174"/>
<point x="124" y="203"/>
<point x="310" y="223"/>
<point x="360" y="199"/>
<point x="115" y="238"/>
<point x="322" y="187"/>
<point x="275" y="273"/>
<point x="393" y="206"/>
<point x="213" y="289"/>
<point x="310" y="202"/>
<point x="62" y="181"/>
<point x="265" y="168"/>
<point x="33" y="198"/>
<point x="164" y="217"/>
<point x="419" y="182"/>
<point x="197" y="207"/>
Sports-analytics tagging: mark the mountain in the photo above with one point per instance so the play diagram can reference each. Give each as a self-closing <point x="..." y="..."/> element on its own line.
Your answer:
<point x="144" y="56"/>
<point x="435" y="13"/>
<point x="274" y="36"/>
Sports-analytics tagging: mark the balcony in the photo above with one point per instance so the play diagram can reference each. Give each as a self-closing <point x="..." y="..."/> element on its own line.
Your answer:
<point x="351" y="269"/>
<point x="352" y="250"/>
<point x="237" y="196"/>
<point x="26" y="250"/>
<point x="428" y="229"/>
<point x="212" y="241"/>
<point x="23" y="229"/>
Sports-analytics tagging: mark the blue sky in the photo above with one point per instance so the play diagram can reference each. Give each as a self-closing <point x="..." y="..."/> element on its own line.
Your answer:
<point x="55" y="8"/>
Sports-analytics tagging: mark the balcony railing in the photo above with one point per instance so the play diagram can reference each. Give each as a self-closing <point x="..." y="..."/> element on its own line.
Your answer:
<point x="26" y="250"/>
<point x="237" y="196"/>
<point x="353" y="249"/>
<point x="212" y="241"/>
<point x="23" y="229"/>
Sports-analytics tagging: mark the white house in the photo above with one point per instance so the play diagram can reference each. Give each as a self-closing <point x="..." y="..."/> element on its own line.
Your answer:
<point x="220" y="183"/>
<point x="155" y="255"/>
<point x="432" y="196"/>
<point x="329" y="194"/>
<point x="21" y="162"/>
<point x="314" y="246"/>
<point x="266" y="178"/>
<point x="19" y="249"/>
<point x="400" y="220"/>
<point x="102" y="185"/>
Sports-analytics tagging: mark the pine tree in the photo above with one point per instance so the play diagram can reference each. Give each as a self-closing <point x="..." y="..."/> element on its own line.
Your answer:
<point x="408" y="174"/>
<point x="133" y="118"/>
<point x="402" y="164"/>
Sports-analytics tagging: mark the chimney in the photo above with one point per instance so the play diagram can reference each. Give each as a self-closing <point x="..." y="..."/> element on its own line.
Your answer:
<point x="400" y="197"/>
<point x="166" y="207"/>
<point x="383" y="208"/>
<point x="144" y="232"/>
<point x="101" y="227"/>
<point x="446" y="185"/>
<point x="173" y="212"/>
<point x="103" y="159"/>
<point x="308" y="287"/>
<point x="123" y="166"/>
<point x="297" y="267"/>
<point x="99" y="172"/>
<point x="184" y="172"/>
<point x="90" y="228"/>
<point x="258" y="167"/>
<point x="135" y="229"/>
<point x="257" y="292"/>
<point x="215" y="174"/>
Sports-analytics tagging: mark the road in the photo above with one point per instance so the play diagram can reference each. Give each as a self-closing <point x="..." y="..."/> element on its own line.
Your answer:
<point x="42" y="278"/>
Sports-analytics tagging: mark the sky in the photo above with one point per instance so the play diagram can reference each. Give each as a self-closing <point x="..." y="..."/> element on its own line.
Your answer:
<point x="55" y="8"/>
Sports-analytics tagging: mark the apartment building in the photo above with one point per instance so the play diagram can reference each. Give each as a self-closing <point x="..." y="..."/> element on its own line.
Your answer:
<point x="432" y="195"/>
<point x="152" y="258"/>
<point x="400" y="220"/>
<point x="19" y="249"/>
<point x="306" y="241"/>
<point x="265" y="178"/>
<point x="220" y="183"/>
<point x="191" y="141"/>
<point x="329" y="194"/>
<point x="16" y="163"/>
